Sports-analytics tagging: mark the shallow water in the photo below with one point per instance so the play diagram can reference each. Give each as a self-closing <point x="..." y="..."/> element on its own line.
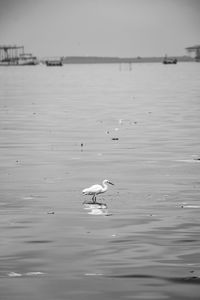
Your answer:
<point x="140" y="129"/>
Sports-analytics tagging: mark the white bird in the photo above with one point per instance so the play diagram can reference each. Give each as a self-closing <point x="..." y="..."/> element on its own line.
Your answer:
<point x="96" y="189"/>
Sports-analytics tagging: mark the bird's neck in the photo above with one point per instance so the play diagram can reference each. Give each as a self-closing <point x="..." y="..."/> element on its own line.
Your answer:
<point x="105" y="187"/>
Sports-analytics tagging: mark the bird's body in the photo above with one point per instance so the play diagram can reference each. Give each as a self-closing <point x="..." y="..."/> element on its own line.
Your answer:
<point x="97" y="189"/>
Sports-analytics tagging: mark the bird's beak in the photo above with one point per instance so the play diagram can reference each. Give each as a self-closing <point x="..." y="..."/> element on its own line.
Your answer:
<point x="111" y="183"/>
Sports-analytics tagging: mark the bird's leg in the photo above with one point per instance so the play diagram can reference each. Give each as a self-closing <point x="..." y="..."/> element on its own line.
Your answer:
<point x="93" y="198"/>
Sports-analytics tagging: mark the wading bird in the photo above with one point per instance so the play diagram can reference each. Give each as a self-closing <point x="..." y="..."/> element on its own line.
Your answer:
<point x="96" y="189"/>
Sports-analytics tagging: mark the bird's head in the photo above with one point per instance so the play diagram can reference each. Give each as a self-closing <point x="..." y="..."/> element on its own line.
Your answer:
<point x="107" y="181"/>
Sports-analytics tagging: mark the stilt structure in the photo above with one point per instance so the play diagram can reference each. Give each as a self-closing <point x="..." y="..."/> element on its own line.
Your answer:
<point x="9" y="54"/>
<point x="196" y="50"/>
<point x="13" y="55"/>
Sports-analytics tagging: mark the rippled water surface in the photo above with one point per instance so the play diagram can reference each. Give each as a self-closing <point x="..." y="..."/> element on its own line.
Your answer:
<point x="140" y="129"/>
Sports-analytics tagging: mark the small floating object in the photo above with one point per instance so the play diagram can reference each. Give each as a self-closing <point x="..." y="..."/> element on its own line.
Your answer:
<point x="14" y="274"/>
<point x="51" y="213"/>
<point x="115" y="139"/>
<point x="190" y="206"/>
<point x="34" y="273"/>
<point x="187" y="160"/>
<point x="28" y="198"/>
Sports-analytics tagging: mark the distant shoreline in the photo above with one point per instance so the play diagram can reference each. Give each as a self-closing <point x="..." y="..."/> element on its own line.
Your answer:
<point x="108" y="60"/>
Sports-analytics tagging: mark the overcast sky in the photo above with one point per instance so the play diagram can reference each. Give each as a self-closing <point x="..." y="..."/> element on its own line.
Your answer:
<point x="125" y="28"/>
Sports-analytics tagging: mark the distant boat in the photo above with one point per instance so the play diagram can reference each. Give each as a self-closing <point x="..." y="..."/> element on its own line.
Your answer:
<point x="54" y="62"/>
<point x="168" y="60"/>
<point x="27" y="59"/>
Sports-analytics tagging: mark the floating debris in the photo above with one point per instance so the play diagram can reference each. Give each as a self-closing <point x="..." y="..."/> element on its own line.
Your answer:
<point x="187" y="160"/>
<point x="190" y="206"/>
<point x="14" y="274"/>
<point x="28" y="198"/>
<point x="50" y="212"/>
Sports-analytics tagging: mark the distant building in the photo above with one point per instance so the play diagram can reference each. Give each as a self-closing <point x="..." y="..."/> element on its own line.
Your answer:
<point x="196" y="50"/>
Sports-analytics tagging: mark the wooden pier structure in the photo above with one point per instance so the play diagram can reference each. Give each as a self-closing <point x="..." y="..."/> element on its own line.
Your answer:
<point x="13" y="55"/>
<point x="9" y="53"/>
<point x="196" y="50"/>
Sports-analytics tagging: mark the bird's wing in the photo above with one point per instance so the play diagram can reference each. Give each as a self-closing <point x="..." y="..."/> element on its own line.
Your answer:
<point x="94" y="189"/>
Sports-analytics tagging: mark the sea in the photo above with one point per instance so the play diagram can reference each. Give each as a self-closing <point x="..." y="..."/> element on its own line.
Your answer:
<point x="63" y="129"/>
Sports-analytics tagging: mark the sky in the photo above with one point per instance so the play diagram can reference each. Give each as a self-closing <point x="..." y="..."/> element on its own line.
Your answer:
<point x="122" y="28"/>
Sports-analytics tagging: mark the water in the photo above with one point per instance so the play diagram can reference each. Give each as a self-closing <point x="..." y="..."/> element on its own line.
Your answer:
<point x="140" y="129"/>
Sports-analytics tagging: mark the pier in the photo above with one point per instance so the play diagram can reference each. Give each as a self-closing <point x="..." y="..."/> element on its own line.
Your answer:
<point x="13" y="55"/>
<point x="196" y="50"/>
<point x="9" y="54"/>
